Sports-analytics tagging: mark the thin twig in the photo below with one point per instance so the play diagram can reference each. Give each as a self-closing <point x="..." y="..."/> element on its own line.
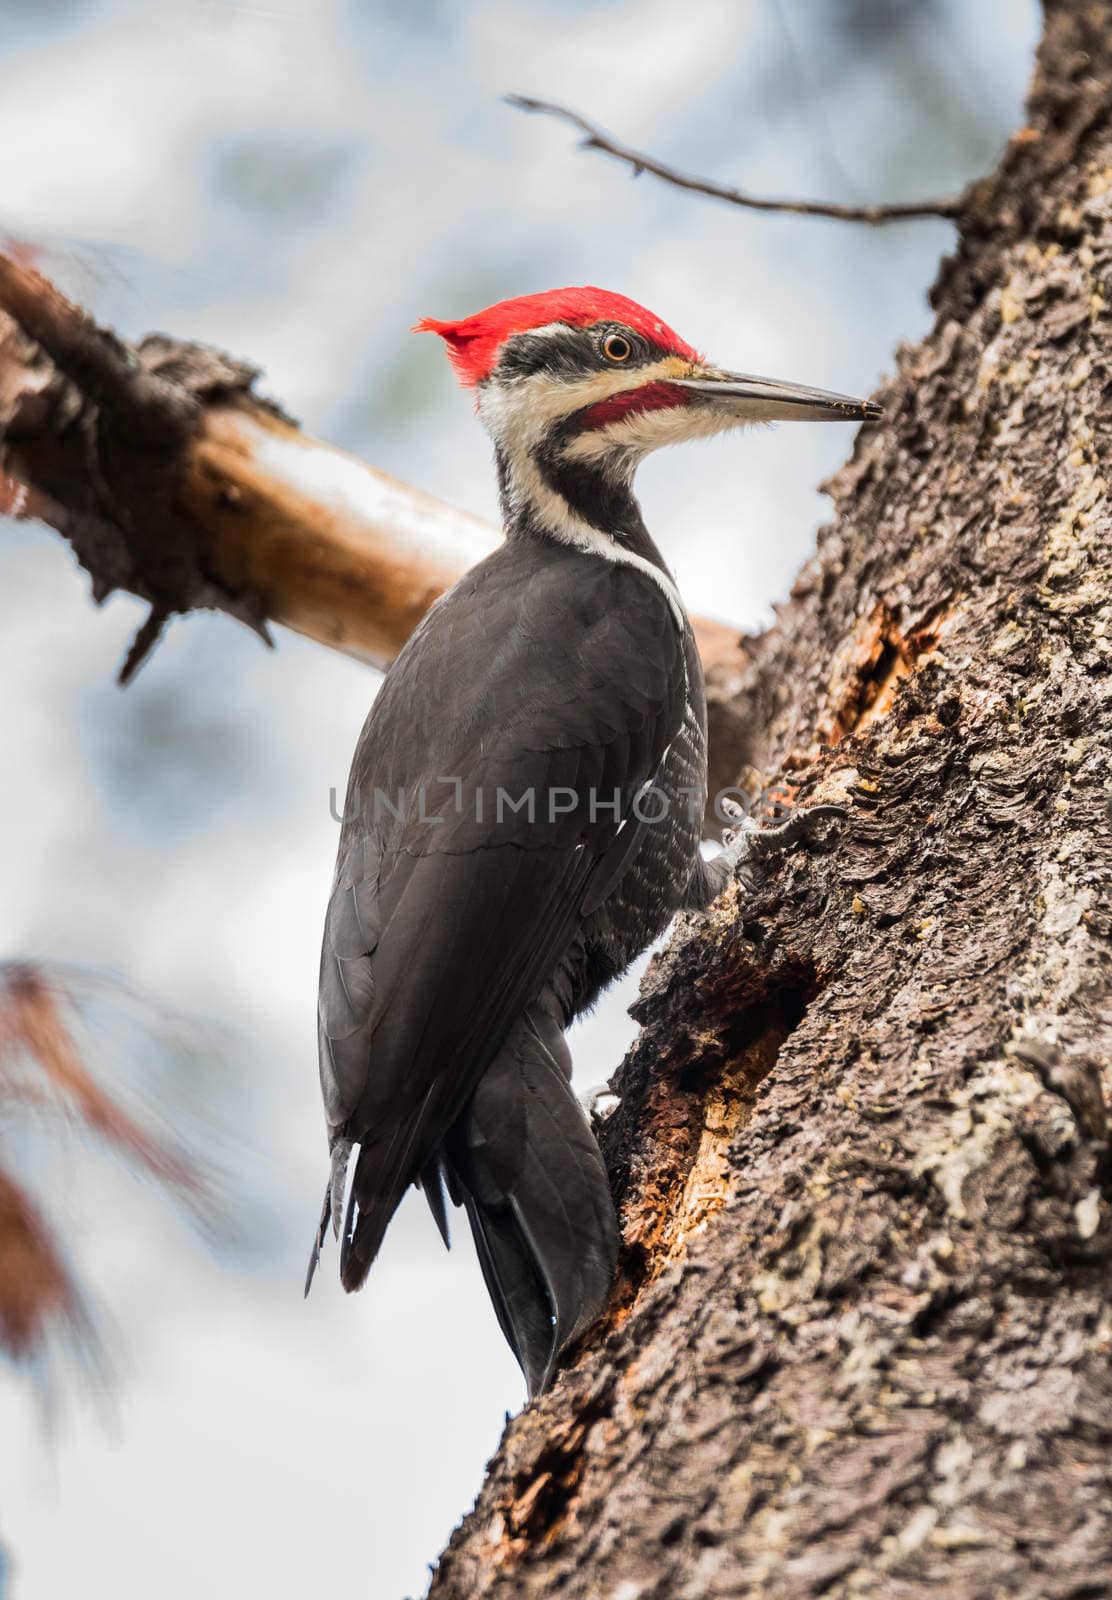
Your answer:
<point x="950" y="206"/>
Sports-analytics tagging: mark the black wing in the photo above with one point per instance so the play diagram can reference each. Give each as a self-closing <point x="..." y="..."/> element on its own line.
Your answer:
<point x="551" y="673"/>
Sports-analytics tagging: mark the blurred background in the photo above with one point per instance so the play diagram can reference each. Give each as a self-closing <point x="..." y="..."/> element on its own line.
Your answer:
<point x="298" y="181"/>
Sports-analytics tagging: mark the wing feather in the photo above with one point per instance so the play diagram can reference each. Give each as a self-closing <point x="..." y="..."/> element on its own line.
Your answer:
<point x="447" y="918"/>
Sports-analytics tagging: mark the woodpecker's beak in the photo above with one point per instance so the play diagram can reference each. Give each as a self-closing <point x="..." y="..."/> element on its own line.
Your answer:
<point x="752" y="399"/>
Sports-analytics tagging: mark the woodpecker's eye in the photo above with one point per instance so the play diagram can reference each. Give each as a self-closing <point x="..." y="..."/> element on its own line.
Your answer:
<point x="616" y="347"/>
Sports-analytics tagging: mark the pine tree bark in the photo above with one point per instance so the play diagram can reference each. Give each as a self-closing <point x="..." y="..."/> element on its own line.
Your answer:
<point x="860" y="1345"/>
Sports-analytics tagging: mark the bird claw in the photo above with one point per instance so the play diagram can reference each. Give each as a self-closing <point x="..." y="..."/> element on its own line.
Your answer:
<point x="592" y="1101"/>
<point x="750" y="846"/>
<point x="738" y="820"/>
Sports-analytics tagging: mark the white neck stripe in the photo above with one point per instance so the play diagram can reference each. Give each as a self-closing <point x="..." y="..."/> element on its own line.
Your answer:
<point x="528" y="492"/>
<point x="599" y="544"/>
<point x="519" y="414"/>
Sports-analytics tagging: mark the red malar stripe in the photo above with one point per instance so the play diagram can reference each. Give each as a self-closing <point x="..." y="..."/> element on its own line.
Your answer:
<point x="650" y="397"/>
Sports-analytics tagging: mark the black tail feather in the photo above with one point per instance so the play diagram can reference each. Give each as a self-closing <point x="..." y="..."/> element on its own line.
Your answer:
<point x="516" y="1288"/>
<point x="383" y="1172"/>
<point x="537" y="1197"/>
<point x="432" y="1182"/>
<point x="369" y="1210"/>
<point x="523" y="1162"/>
<point x="319" y="1238"/>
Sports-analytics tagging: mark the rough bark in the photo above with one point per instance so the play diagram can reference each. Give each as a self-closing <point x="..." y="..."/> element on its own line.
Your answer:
<point x="860" y="1345"/>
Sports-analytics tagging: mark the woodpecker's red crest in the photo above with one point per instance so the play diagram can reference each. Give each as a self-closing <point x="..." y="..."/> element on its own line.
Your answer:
<point x="474" y="342"/>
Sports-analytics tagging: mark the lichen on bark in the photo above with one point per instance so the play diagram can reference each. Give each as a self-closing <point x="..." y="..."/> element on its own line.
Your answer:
<point x="860" y="1344"/>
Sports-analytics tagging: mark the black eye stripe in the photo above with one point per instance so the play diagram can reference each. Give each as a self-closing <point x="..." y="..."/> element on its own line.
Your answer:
<point x="571" y="352"/>
<point x="566" y="354"/>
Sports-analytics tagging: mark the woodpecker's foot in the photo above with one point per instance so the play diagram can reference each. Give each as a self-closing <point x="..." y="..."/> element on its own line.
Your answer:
<point x="749" y="847"/>
<point x="594" y="1102"/>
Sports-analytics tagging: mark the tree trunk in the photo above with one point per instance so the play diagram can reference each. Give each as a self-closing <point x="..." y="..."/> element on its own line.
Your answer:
<point x="860" y="1343"/>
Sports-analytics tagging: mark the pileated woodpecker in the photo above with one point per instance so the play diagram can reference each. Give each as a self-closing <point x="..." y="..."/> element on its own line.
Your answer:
<point x="524" y="813"/>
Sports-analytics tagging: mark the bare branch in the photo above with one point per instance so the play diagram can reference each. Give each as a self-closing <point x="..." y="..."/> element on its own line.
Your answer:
<point x="594" y="138"/>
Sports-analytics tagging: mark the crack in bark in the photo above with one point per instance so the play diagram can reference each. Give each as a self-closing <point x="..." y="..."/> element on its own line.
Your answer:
<point x="869" y="671"/>
<point x="690" y="1108"/>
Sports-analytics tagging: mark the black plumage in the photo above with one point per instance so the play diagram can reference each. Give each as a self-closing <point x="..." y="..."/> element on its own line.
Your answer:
<point x="463" y="934"/>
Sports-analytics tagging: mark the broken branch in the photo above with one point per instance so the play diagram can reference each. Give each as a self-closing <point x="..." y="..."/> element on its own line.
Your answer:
<point x="173" y="480"/>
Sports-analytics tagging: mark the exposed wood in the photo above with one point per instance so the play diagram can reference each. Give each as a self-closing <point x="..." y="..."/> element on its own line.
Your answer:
<point x="332" y="548"/>
<point x="861" y="1342"/>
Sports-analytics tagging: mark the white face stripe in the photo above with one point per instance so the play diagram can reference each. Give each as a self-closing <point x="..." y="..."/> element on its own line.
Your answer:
<point x="529" y="406"/>
<point x="626" y="442"/>
<point x="518" y="413"/>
